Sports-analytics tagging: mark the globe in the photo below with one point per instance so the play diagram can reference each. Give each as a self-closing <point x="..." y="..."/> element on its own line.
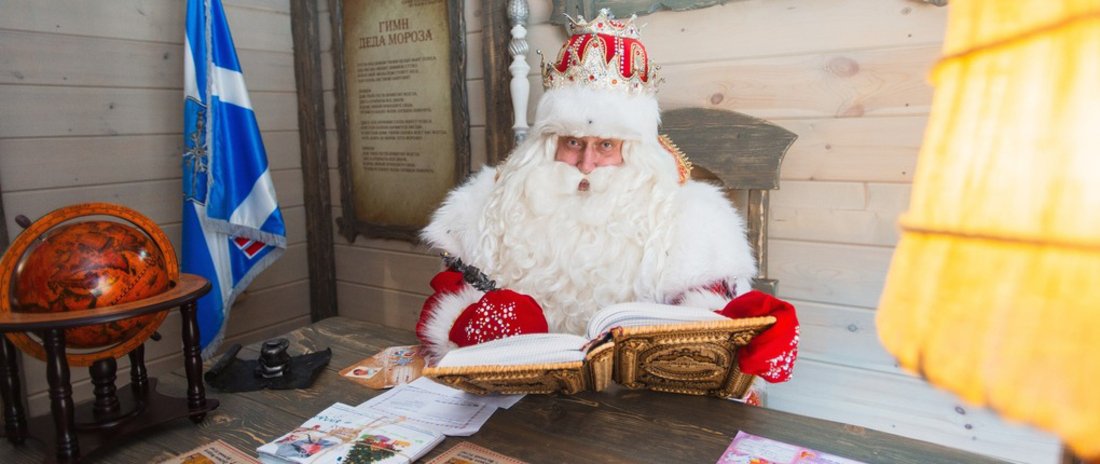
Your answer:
<point x="87" y="265"/>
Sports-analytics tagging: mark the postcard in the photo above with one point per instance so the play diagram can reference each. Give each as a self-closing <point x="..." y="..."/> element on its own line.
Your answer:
<point x="392" y="366"/>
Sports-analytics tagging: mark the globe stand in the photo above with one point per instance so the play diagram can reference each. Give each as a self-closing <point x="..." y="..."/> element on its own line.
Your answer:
<point x="75" y="432"/>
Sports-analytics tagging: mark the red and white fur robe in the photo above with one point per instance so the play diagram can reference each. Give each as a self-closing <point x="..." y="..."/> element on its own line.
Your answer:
<point x="638" y="233"/>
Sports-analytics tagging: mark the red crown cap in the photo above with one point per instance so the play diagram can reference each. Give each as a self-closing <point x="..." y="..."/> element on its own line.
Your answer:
<point x="603" y="53"/>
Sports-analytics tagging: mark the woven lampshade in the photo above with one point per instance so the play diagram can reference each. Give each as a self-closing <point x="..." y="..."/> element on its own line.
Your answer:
<point x="994" y="288"/>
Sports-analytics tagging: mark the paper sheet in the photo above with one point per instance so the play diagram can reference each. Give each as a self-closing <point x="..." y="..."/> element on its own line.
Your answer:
<point x="446" y="410"/>
<point x="496" y="401"/>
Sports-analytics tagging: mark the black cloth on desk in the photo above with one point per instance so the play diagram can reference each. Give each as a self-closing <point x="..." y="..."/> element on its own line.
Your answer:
<point x="234" y="375"/>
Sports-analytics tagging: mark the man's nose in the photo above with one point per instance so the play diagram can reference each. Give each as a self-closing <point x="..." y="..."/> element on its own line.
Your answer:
<point x="587" y="163"/>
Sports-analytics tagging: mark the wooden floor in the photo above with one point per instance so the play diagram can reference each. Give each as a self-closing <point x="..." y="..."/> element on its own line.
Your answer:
<point x="610" y="427"/>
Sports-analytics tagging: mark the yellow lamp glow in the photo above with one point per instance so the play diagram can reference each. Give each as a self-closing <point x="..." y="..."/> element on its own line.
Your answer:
<point x="994" y="288"/>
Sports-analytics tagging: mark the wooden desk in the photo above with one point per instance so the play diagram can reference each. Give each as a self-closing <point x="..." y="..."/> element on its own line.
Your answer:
<point x="616" y="426"/>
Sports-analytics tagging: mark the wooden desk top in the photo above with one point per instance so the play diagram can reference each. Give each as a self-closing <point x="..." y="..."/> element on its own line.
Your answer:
<point x="615" y="426"/>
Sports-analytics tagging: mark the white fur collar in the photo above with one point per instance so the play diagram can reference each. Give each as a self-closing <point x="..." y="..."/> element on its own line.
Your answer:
<point x="454" y="226"/>
<point x="710" y="243"/>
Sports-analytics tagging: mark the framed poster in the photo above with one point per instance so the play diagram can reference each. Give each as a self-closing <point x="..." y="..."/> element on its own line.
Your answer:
<point x="402" y="113"/>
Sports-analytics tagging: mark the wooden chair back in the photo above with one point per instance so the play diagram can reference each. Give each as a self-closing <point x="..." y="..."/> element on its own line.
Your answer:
<point x="740" y="154"/>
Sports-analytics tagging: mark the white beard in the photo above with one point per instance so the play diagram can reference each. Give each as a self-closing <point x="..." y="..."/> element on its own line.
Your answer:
<point x="576" y="251"/>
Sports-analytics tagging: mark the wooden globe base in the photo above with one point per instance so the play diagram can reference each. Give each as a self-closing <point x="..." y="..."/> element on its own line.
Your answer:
<point x="75" y="432"/>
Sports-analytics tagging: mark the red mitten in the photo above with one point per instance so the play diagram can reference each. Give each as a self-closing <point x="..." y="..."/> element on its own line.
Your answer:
<point x="771" y="354"/>
<point x="498" y="314"/>
<point x="447" y="282"/>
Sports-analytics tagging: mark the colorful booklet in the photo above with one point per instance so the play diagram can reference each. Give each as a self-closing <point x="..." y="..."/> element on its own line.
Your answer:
<point x="751" y="449"/>
<point x="395" y="365"/>
<point x="345" y="435"/>
<point x="469" y="453"/>
<point x="215" y="452"/>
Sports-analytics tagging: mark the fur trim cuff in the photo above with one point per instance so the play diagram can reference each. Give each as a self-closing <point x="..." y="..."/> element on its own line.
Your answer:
<point x="706" y="299"/>
<point x="741" y="286"/>
<point x="438" y="328"/>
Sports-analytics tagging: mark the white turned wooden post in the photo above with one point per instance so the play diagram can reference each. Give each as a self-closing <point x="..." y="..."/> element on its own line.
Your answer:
<point x="517" y="47"/>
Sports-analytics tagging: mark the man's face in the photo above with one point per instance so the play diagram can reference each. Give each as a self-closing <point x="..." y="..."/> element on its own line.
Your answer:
<point x="589" y="153"/>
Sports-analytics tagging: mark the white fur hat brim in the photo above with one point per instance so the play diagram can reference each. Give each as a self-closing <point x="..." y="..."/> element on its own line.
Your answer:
<point x="581" y="111"/>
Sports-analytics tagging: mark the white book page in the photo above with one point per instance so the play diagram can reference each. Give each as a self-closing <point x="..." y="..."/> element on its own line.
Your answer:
<point x="519" y="350"/>
<point x="637" y="314"/>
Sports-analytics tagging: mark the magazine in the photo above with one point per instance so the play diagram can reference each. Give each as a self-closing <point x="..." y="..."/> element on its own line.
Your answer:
<point x="215" y="452"/>
<point x="751" y="449"/>
<point x="469" y="453"/>
<point x="346" y="435"/>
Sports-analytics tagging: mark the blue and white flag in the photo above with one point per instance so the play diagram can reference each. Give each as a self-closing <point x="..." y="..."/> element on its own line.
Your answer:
<point x="232" y="226"/>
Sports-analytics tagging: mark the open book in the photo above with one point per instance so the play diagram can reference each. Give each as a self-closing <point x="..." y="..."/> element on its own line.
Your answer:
<point x="342" y="434"/>
<point x="639" y="345"/>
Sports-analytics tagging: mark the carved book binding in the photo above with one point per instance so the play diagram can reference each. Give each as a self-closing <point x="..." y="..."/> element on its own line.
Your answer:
<point x="695" y="358"/>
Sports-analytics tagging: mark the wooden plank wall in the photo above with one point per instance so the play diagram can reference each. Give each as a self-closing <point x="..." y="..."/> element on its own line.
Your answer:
<point x="848" y="76"/>
<point x="91" y="98"/>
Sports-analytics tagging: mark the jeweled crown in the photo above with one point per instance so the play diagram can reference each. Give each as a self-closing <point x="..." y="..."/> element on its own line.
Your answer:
<point x="604" y="53"/>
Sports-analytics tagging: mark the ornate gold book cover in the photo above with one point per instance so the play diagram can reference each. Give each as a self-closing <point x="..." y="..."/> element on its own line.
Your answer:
<point x="695" y="358"/>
